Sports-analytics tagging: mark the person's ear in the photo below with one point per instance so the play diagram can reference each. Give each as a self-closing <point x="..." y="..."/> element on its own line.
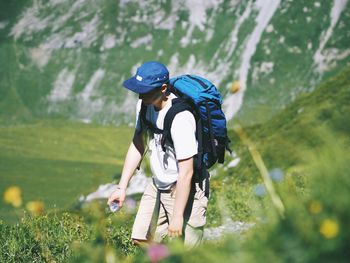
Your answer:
<point x="164" y="88"/>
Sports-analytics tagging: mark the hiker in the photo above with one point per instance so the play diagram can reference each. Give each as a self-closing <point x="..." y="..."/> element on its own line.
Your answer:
<point x="176" y="202"/>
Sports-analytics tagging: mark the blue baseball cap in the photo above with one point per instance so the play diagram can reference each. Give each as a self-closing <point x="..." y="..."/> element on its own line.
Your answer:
<point x="149" y="76"/>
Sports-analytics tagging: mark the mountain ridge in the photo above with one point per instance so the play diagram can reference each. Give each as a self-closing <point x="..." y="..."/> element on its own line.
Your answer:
<point x="68" y="59"/>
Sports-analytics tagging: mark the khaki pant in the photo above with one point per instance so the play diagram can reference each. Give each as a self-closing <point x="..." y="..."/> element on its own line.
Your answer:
<point x="155" y="202"/>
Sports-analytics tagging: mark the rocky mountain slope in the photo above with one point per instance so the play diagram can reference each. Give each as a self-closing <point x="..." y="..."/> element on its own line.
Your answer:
<point x="68" y="58"/>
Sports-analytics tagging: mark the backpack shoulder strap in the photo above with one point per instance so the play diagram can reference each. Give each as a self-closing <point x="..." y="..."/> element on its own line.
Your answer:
<point x="178" y="105"/>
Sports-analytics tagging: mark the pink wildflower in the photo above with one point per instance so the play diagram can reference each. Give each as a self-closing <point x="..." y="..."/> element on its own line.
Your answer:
<point x="157" y="252"/>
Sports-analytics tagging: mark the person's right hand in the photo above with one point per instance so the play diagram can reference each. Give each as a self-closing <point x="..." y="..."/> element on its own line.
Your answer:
<point x="117" y="196"/>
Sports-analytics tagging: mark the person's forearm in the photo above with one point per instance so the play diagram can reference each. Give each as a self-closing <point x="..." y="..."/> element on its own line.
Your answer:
<point x="132" y="160"/>
<point x="183" y="188"/>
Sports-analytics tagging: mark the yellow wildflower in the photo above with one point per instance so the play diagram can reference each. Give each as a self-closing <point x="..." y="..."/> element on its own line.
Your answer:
<point x="12" y="196"/>
<point x="315" y="207"/>
<point x="110" y="256"/>
<point x="235" y="86"/>
<point x="329" y="228"/>
<point x="35" y="207"/>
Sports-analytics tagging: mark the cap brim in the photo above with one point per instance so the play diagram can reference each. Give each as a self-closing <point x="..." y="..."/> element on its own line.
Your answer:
<point x="135" y="86"/>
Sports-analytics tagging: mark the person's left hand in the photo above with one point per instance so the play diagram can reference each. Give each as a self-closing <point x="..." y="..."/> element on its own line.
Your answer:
<point x="175" y="226"/>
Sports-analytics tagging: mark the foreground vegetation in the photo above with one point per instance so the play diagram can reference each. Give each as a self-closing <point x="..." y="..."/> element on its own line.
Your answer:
<point x="306" y="150"/>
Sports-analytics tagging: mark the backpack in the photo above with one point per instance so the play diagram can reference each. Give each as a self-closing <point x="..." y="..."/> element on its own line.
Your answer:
<point x="201" y="97"/>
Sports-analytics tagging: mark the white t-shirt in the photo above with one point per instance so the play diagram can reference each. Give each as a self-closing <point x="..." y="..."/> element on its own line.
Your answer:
<point x="164" y="165"/>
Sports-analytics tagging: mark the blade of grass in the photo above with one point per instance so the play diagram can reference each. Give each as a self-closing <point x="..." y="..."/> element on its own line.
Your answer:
<point x="276" y="200"/>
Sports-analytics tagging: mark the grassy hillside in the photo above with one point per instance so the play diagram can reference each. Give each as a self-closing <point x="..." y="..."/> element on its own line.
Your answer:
<point x="284" y="144"/>
<point x="309" y="143"/>
<point x="57" y="161"/>
<point x="295" y="129"/>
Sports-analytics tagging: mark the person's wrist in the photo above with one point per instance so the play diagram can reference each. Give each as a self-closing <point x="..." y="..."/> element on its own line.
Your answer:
<point x="177" y="216"/>
<point x="121" y="188"/>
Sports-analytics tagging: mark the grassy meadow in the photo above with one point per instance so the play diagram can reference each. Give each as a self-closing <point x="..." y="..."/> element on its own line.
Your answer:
<point x="58" y="161"/>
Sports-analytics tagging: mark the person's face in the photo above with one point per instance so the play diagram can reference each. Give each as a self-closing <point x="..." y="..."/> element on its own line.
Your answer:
<point x="152" y="97"/>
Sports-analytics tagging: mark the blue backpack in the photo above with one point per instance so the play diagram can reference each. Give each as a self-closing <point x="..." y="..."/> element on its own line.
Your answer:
<point x="201" y="97"/>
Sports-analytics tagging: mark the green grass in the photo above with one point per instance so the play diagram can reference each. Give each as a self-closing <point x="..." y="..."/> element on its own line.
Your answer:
<point x="58" y="161"/>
